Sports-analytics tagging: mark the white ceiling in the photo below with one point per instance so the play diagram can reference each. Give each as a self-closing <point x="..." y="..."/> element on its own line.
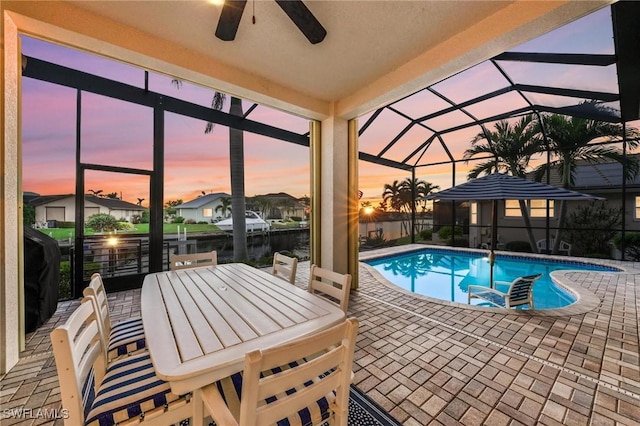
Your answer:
<point x="375" y="52"/>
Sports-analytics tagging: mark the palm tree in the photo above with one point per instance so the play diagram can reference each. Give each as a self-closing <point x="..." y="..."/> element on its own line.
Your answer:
<point x="225" y="206"/>
<point x="236" y="157"/>
<point x="511" y="146"/>
<point x="263" y="204"/>
<point x="570" y="140"/>
<point x="411" y="190"/>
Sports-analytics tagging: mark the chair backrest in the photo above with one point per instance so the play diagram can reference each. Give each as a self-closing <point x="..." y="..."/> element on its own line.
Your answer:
<point x="520" y="290"/>
<point x="335" y="347"/>
<point x="183" y="261"/>
<point x="96" y="293"/>
<point x="77" y="348"/>
<point x="330" y="283"/>
<point x="285" y="267"/>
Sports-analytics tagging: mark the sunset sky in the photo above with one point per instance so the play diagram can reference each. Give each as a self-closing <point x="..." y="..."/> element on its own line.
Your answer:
<point x="119" y="134"/>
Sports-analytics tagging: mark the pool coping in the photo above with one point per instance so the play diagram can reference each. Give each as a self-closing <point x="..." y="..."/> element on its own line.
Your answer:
<point x="586" y="301"/>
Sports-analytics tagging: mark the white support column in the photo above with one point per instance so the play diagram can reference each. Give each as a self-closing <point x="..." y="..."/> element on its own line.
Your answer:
<point x="11" y="246"/>
<point x="334" y="173"/>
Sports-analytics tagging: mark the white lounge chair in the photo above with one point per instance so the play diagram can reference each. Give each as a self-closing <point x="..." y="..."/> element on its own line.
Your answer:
<point x="565" y="247"/>
<point x="519" y="293"/>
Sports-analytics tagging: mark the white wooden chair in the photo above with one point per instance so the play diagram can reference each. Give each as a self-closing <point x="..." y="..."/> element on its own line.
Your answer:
<point x="332" y="284"/>
<point x="519" y="293"/>
<point x="118" y="339"/>
<point x="184" y="261"/>
<point x="564" y="248"/>
<point x="306" y="381"/>
<point x="285" y="267"/>
<point x="120" y="393"/>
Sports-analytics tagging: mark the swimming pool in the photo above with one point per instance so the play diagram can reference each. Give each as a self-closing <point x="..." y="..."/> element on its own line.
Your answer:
<point x="446" y="274"/>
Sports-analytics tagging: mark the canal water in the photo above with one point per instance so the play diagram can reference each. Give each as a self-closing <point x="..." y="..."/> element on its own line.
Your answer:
<point x="260" y="248"/>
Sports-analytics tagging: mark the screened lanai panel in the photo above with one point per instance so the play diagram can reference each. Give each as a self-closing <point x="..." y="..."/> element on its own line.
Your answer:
<point x="460" y="140"/>
<point x="381" y="132"/>
<point x="82" y="61"/>
<point x="590" y="34"/>
<point x="116" y="133"/>
<point x="274" y="117"/>
<point x="420" y="104"/>
<point x="577" y="77"/>
<point x="556" y="101"/>
<point x="182" y="89"/>
<point x="471" y="83"/>
<point x="497" y="105"/>
<point x="403" y="150"/>
<point x="449" y="121"/>
<point x="195" y="162"/>
<point x="48" y="138"/>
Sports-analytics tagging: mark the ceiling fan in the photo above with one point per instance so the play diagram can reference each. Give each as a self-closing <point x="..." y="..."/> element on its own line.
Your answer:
<point x="295" y="9"/>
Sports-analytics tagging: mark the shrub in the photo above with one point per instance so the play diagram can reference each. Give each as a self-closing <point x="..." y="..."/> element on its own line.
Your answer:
<point x="591" y="228"/>
<point x="426" y="234"/>
<point x="64" y="289"/>
<point x="28" y="214"/>
<point x="296" y="218"/>
<point x="125" y="226"/>
<point x="136" y="219"/>
<point x="203" y="222"/>
<point x="145" y="216"/>
<point x="178" y="219"/>
<point x="519" y="246"/>
<point x="102" y="222"/>
<point x="631" y="245"/>
<point x="445" y="232"/>
<point x="67" y="225"/>
<point x="189" y="222"/>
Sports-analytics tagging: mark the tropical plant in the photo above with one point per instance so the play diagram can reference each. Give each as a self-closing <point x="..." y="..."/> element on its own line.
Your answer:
<point x="511" y="148"/>
<point x="102" y="222"/>
<point x="592" y="228"/>
<point x="571" y="139"/>
<point x="263" y="205"/>
<point x="403" y="197"/>
<point x="630" y="244"/>
<point x="225" y="206"/>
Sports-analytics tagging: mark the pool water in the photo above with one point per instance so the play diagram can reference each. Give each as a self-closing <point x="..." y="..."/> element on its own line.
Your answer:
<point x="446" y="275"/>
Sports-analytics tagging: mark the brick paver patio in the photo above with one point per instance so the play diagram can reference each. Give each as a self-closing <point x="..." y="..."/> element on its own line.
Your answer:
<point x="431" y="363"/>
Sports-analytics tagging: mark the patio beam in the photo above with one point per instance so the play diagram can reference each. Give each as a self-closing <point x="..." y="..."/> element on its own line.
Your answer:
<point x="558" y="58"/>
<point x="57" y="74"/>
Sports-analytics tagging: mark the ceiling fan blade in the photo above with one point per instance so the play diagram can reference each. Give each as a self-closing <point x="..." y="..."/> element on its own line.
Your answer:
<point x="230" y="19"/>
<point x="304" y="20"/>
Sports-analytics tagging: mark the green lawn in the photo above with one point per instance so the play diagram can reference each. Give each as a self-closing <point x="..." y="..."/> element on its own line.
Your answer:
<point x="141" y="228"/>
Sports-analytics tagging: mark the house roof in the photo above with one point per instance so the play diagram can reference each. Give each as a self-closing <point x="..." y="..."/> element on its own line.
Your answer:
<point x="202" y="200"/>
<point x="110" y="203"/>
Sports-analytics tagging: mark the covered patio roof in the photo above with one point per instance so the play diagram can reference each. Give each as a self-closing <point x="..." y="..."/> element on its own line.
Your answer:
<point x="434" y="125"/>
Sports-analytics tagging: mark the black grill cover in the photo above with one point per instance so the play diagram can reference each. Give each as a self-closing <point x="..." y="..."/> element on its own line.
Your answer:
<point x="41" y="277"/>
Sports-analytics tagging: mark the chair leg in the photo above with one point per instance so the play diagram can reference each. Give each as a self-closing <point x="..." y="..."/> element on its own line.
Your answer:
<point x="198" y="409"/>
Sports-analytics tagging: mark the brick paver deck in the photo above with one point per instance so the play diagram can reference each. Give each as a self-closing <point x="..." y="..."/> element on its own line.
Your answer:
<point x="432" y="363"/>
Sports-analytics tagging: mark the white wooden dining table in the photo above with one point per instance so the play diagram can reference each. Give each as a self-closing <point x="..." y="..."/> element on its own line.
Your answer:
<point x="199" y="323"/>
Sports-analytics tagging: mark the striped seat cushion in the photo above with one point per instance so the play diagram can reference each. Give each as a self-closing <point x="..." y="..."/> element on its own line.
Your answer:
<point x="126" y="337"/>
<point x="494" y="298"/>
<point x="131" y="388"/>
<point x="231" y="390"/>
